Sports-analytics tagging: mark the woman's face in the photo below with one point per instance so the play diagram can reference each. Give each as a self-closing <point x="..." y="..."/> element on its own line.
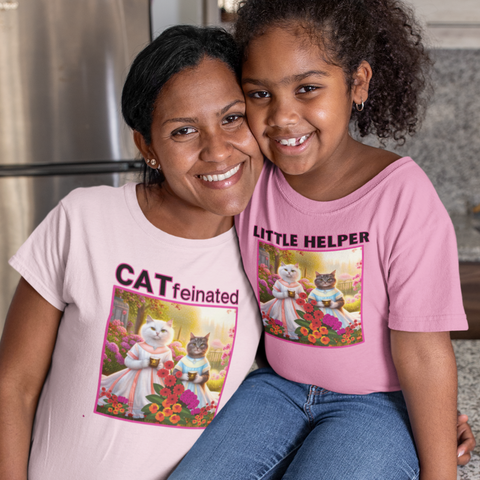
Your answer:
<point x="200" y="136"/>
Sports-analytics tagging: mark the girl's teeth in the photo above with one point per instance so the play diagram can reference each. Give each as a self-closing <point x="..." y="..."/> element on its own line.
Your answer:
<point x="222" y="176"/>
<point x="292" y="142"/>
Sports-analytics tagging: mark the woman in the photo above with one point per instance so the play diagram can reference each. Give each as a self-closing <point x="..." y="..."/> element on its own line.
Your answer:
<point x="136" y="281"/>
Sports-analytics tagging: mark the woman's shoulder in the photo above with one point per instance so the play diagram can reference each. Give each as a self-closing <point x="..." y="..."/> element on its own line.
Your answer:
<point x="96" y="198"/>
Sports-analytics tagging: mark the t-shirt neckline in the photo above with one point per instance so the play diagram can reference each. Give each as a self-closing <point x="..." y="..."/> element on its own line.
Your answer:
<point x="161" y="236"/>
<point x="306" y="205"/>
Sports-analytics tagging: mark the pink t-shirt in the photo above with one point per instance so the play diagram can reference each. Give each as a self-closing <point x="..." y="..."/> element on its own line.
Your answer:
<point x="106" y="412"/>
<point x="333" y="277"/>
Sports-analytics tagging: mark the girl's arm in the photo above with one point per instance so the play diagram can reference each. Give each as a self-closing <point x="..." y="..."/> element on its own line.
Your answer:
<point x="25" y="355"/>
<point x="427" y="371"/>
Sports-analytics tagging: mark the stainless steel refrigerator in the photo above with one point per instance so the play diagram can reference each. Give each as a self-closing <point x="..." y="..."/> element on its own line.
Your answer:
<point x="62" y="68"/>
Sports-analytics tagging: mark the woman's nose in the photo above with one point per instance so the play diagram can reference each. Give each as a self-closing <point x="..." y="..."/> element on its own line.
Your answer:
<point x="282" y="113"/>
<point x="217" y="147"/>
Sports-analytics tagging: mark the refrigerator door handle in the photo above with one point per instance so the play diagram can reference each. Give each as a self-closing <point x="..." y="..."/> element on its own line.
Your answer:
<point x="37" y="170"/>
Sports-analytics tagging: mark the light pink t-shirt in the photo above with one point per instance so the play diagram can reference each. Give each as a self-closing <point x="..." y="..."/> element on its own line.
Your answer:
<point x="100" y="260"/>
<point x="333" y="277"/>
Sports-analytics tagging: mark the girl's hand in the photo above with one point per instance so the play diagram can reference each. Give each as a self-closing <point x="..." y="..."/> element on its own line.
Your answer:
<point x="465" y="439"/>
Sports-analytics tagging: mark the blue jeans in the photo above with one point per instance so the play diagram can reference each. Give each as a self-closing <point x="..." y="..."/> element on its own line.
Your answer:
<point x="273" y="428"/>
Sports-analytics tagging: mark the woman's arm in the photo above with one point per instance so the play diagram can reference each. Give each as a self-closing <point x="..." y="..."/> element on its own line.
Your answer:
<point x="25" y="356"/>
<point x="427" y="371"/>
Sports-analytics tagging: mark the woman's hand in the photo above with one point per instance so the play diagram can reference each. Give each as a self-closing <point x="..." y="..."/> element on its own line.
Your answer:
<point x="25" y="356"/>
<point x="465" y="439"/>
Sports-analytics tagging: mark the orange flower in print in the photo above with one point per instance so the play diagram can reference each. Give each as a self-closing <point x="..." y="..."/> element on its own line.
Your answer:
<point x="167" y="411"/>
<point x="153" y="408"/>
<point x="177" y="408"/>
<point x="324" y="330"/>
<point x="160" y="417"/>
<point x="167" y="403"/>
<point x="175" y="418"/>
<point x="325" y="340"/>
<point x="312" y="338"/>
<point x="317" y="334"/>
<point x="304" y="331"/>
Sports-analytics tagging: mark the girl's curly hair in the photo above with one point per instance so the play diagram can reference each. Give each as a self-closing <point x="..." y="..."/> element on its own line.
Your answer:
<point x="385" y="33"/>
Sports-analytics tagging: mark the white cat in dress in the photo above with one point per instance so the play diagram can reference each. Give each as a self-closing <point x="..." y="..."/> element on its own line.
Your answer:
<point x="143" y="361"/>
<point x="283" y="307"/>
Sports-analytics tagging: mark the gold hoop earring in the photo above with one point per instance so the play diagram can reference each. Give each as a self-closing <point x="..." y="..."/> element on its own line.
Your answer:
<point x="360" y="107"/>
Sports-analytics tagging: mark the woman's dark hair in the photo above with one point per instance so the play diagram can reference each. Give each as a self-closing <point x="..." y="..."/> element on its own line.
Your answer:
<point x="382" y="32"/>
<point x="177" y="48"/>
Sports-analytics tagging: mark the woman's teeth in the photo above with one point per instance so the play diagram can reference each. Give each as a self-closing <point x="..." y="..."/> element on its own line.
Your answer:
<point x="222" y="176"/>
<point x="293" y="142"/>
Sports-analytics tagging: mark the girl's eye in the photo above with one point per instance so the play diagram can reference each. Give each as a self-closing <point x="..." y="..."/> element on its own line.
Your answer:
<point x="183" y="131"/>
<point x="307" y="89"/>
<point x="260" y="94"/>
<point x="232" y="118"/>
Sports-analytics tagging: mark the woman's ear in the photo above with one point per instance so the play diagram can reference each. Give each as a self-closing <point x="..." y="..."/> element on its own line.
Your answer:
<point x="142" y="145"/>
<point x="361" y="82"/>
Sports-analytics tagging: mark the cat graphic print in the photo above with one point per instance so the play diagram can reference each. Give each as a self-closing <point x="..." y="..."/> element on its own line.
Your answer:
<point x="311" y="297"/>
<point x="164" y="363"/>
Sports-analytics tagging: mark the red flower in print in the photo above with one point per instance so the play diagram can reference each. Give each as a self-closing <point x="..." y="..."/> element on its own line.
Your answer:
<point x="302" y="295"/>
<point x="169" y="365"/>
<point x="312" y="301"/>
<point x="178" y="389"/>
<point x="162" y="373"/>
<point x="308" y="308"/>
<point x="308" y="317"/>
<point x="300" y="301"/>
<point x="170" y="381"/>
<point x="165" y="391"/>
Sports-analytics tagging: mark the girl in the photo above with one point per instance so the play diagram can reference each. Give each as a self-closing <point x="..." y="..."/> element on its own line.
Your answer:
<point x="377" y="399"/>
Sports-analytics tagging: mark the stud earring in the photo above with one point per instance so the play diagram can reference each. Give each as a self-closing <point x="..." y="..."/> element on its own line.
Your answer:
<point x="359" y="106"/>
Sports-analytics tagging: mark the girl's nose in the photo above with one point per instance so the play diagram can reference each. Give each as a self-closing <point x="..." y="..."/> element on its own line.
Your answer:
<point x="216" y="148"/>
<point x="282" y="113"/>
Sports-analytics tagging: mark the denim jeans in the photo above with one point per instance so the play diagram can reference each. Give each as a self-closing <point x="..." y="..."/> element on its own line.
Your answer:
<point x="273" y="428"/>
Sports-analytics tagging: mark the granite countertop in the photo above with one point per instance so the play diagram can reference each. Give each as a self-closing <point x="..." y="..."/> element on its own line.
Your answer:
<point x="468" y="239"/>
<point x="467" y="353"/>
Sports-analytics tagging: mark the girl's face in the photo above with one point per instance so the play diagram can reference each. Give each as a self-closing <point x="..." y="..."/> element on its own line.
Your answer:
<point x="298" y="105"/>
<point x="200" y="136"/>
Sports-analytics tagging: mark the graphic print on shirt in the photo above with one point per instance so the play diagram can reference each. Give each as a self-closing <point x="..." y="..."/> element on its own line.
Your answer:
<point x="311" y="297"/>
<point x="164" y="362"/>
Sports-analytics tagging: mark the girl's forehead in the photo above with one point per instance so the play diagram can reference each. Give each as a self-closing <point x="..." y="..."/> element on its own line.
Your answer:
<point x="284" y="56"/>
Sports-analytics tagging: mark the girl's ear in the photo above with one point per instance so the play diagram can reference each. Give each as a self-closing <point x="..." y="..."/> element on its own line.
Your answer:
<point x="361" y="82"/>
<point x="142" y="146"/>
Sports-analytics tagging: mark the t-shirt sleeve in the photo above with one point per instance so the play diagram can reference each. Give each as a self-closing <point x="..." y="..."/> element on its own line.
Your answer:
<point x="423" y="272"/>
<point x="42" y="259"/>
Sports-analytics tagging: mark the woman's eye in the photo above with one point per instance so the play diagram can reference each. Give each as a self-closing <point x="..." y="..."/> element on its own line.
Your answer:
<point x="183" y="131"/>
<point x="260" y="94"/>
<point x="232" y="118"/>
<point x="306" y="89"/>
